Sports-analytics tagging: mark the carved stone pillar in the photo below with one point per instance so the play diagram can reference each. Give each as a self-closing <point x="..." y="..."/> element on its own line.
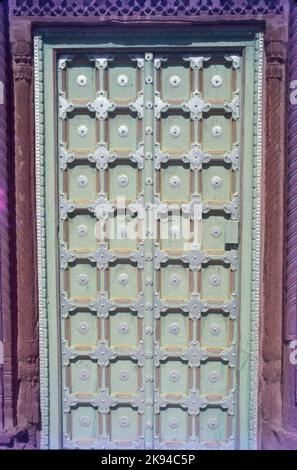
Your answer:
<point x="6" y="381"/>
<point x="290" y="371"/>
<point x="273" y="239"/>
<point x="26" y="292"/>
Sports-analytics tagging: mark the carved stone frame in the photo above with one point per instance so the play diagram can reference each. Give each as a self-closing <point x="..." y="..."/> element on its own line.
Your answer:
<point x="273" y="410"/>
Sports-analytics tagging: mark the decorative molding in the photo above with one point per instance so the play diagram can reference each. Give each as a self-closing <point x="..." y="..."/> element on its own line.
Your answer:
<point x="256" y="256"/>
<point x="41" y="240"/>
<point x="143" y="9"/>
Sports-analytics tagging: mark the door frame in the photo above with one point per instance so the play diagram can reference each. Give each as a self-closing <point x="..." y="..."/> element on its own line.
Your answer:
<point x="47" y="44"/>
<point x="272" y="400"/>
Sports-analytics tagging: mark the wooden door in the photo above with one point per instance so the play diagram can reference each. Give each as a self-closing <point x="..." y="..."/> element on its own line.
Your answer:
<point x="147" y="192"/>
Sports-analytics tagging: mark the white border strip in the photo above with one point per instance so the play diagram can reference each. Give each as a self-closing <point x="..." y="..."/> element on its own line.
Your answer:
<point x="41" y="238"/>
<point x="256" y="240"/>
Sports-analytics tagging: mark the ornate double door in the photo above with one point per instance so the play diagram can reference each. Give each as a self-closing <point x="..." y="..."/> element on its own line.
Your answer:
<point x="140" y="222"/>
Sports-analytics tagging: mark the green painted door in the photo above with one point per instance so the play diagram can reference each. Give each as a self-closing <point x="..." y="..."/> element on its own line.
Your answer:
<point x="151" y="226"/>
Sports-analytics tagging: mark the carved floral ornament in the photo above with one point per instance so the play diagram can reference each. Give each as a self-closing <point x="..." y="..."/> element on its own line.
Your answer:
<point x="143" y="8"/>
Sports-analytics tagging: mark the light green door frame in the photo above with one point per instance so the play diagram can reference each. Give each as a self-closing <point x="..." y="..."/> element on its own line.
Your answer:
<point x="120" y="332"/>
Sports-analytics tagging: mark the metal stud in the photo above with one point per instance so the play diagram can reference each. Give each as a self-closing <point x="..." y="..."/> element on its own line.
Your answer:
<point x="149" y="80"/>
<point x="65" y="156"/>
<point x="175" y="81"/>
<point x="82" y="181"/>
<point x="148" y="56"/>
<point x="123" y="328"/>
<point x="83" y="327"/>
<point x="174" y="131"/>
<point x="63" y="59"/>
<point x="102" y="306"/>
<point x="216" y="182"/>
<point x="82" y="80"/>
<point x="124" y="375"/>
<point x="196" y="62"/>
<point x="124" y="421"/>
<point x="174" y="181"/>
<point x="64" y="106"/>
<point x="82" y="131"/>
<point x="82" y="230"/>
<point x="84" y="421"/>
<point x="137" y="105"/>
<point x="137" y="156"/>
<point x="173" y="423"/>
<point x="174" y="376"/>
<point x="196" y="106"/>
<point x="123" y="181"/>
<point x="104" y="401"/>
<point x="102" y="354"/>
<point x="83" y="279"/>
<point x="102" y="257"/>
<point x="196" y="157"/>
<point x="215" y="231"/>
<point x="175" y="280"/>
<point x="194" y="402"/>
<point x="102" y="156"/>
<point x="65" y="256"/>
<point x="159" y="105"/>
<point x="148" y="130"/>
<point x="148" y="181"/>
<point x="174" y="328"/>
<point x="217" y="81"/>
<point x="84" y="374"/>
<point x="123" y="131"/>
<point x="213" y="423"/>
<point x="216" y="131"/>
<point x="148" y="330"/>
<point x="149" y="379"/>
<point x="123" y="279"/>
<point x="214" y="329"/>
<point x="214" y="376"/>
<point x="235" y="59"/>
<point x="101" y="62"/>
<point x="233" y="106"/>
<point x="122" y="80"/>
<point x="194" y="355"/>
<point x="215" y="281"/>
<point x="101" y="105"/>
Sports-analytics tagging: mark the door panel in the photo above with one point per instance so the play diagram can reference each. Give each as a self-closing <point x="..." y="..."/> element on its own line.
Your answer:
<point x="148" y="183"/>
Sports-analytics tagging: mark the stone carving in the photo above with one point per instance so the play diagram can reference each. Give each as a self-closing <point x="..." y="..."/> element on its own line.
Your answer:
<point x="140" y="9"/>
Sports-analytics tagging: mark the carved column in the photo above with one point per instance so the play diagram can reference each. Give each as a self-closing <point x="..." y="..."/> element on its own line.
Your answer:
<point x="273" y="239"/>
<point x="290" y="371"/>
<point x="6" y="367"/>
<point x="26" y="291"/>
